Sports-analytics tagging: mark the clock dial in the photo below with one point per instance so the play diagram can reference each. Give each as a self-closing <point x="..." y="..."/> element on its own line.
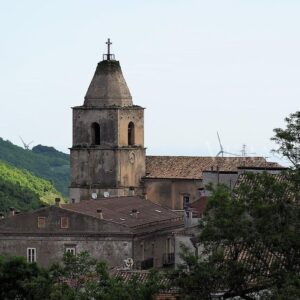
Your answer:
<point x="131" y="157"/>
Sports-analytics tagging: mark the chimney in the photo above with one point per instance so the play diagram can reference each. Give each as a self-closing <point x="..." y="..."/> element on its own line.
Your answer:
<point x="12" y="211"/>
<point x="134" y="213"/>
<point x="131" y="191"/>
<point x="100" y="214"/>
<point x="57" y="202"/>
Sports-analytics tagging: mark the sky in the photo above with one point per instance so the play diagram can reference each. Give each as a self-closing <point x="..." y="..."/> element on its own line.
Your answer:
<point x="198" y="67"/>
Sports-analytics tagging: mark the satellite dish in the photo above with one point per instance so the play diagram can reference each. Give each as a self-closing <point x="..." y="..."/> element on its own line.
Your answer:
<point x="94" y="196"/>
<point x="129" y="262"/>
<point x="106" y="194"/>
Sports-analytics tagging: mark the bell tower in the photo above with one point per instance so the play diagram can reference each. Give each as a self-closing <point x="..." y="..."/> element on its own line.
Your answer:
<point x="108" y="154"/>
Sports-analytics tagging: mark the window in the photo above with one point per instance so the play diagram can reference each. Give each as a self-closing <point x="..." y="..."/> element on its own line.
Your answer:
<point x="64" y="222"/>
<point x="168" y="246"/>
<point x="71" y="250"/>
<point x="130" y="134"/>
<point x="31" y="255"/>
<point x="186" y="201"/>
<point x="95" y="134"/>
<point x="142" y="251"/>
<point x="41" y="222"/>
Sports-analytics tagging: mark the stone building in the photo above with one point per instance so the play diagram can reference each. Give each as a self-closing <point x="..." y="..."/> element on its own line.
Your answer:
<point x="113" y="230"/>
<point x="121" y="200"/>
<point x="108" y="154"/>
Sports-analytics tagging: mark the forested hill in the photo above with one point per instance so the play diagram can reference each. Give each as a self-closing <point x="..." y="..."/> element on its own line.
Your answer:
<point x="22" y="190"/>
<point x="41" y="161"/>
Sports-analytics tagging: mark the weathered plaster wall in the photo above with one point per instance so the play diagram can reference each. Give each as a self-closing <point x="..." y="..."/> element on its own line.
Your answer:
<point x="51" y="249"/>
<point x="170" y="192"/>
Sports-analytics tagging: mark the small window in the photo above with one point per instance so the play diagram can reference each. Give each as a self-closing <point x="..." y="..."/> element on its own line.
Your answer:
<point x="186" y="201"/>
<point x="41" y="222"/>
<point x="31" y="255"/>
<point x="64" y="222"/>
<point x="95" y="134"/>
<point x="131" y="134"/>
<point x="71" y="250"/>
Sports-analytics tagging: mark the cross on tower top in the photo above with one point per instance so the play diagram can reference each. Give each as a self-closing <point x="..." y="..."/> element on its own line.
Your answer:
<point x="108" y="56"/>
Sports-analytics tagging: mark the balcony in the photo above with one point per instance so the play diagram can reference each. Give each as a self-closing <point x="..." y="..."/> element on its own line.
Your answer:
<point x="147" y="264"/>
<point x="168" y="259"/>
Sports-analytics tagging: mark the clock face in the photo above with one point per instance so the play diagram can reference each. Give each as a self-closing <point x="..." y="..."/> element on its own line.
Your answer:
<point x="131" y="157"/>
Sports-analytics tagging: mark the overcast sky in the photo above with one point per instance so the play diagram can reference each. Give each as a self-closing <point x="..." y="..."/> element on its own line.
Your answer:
<point x="197" y="66"/>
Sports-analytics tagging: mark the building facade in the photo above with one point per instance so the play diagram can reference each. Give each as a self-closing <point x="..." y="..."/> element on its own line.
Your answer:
<point x="111" y="230"/>
<point x="108" y="154"/>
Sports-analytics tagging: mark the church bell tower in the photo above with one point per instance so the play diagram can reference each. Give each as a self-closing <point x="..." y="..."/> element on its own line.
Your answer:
<point x="108" y="154"/>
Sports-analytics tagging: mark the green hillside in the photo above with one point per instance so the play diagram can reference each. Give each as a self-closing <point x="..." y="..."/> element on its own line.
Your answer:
<point x="41" y="161"/>
<point x="22" y="190"/>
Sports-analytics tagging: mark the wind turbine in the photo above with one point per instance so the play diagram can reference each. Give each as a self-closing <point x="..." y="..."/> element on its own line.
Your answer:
<point x="26" y="146"/>
<point x="222" y="152"/>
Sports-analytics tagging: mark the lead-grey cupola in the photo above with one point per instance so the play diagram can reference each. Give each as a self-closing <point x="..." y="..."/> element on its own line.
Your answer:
<point x="108" y="86"/>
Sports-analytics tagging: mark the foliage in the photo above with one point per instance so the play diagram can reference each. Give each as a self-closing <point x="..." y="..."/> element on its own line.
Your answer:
<point x="250" y="238"/>
<point x="22" y="190"/>
<point x="288" y="139"/>
<point x="15" y="272"/>
<point x="42" y="161"/>
<point x="76" y="278"/>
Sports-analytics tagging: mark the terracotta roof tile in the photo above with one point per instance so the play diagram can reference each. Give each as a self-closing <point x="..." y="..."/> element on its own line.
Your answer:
<point x="191" y="167"/>
<point x="199" y="206"/>
<point x="119" y="210"/>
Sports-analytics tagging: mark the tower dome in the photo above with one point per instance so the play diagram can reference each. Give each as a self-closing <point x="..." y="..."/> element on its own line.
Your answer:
<point x="108" y="86"/>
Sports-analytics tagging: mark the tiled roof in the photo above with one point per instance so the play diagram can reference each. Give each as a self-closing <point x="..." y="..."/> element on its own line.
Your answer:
<point x="199" y="206"/>
<point x="119" y="210"/>
<point x="191" y="167"/>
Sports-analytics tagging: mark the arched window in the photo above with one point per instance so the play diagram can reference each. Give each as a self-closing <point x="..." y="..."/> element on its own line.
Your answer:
<point x="95" y="134"/>
<point x="130" y="134"/>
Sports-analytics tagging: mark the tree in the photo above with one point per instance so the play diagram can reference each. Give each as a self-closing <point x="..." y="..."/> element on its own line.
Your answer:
<point x="288" y="139"/>
<point x="15" y="273"/>
<point x="251" y="236"/>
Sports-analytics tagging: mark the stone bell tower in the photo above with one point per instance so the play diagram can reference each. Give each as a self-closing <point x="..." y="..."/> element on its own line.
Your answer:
<point x="108" y="154"/>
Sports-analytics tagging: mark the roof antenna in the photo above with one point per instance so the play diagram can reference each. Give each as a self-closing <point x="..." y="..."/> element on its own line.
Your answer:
<point x="222" y="152"/>
<point x="25" y="145"/>
<point x="244" y="151"/>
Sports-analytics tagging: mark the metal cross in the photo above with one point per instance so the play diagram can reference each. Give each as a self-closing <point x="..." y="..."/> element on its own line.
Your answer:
<point x="108" y="43"/>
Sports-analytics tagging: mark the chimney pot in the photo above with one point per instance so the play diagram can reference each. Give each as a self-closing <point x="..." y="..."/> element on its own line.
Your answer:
<point x="57" y="201"/>
<point x="100" y="214"/>
<point x="12" y="211"/>
<point x="134" y="212"/>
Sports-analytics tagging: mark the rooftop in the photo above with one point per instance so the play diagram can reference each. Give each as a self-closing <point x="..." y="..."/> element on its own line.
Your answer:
<point x="192" y="167"/>
<point x="134" y="211"/>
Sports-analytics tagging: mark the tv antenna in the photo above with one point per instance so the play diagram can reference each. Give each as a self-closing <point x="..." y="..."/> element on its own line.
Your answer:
<point x="222" y="152"/>
<point x="25" y="145"/>
<point x="244" y="151"/>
